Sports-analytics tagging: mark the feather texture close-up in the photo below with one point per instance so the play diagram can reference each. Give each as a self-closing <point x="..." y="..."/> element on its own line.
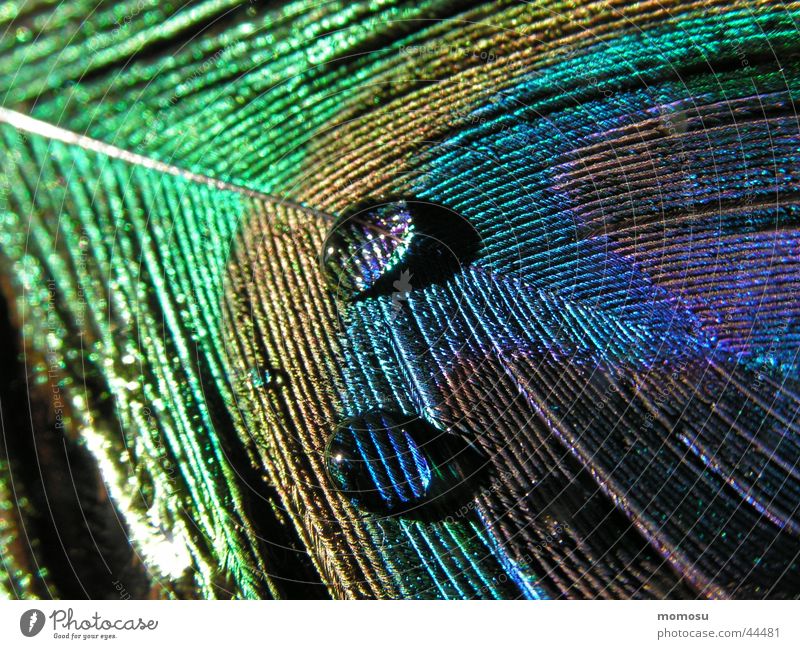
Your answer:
<point x="400" y="300"/>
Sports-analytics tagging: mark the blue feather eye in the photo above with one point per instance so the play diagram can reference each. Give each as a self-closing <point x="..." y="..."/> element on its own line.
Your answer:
<point x="612" y="325"/>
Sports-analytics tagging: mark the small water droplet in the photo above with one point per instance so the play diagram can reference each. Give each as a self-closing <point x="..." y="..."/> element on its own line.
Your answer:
<point x="263" y="377"/>
<point x="397" y="464"/>
<point x="369" y="246"/>
<point x="259" y="376"/>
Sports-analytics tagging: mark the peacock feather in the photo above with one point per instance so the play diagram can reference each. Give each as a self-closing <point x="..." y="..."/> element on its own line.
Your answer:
<point x="392" y="299"/>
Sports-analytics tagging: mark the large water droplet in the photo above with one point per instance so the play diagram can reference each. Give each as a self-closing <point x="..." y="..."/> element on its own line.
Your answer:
<point x="398" y="464"/>
<point x="370" y="246"/>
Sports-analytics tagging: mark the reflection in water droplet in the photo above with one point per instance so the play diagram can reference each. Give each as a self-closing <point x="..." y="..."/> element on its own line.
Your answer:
<point x="363" y="245"/>
<point x="392" y="463"/>
<point x="377" y="462"/>
<point x="369" y="246"/>
<point x="263" y="376"/>
<point x="260" y="376"/>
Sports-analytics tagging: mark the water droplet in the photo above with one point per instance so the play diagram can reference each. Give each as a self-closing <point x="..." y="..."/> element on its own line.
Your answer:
<point x="259" y="376"/>
<point x="370" y="246"/>
<point x="398" y="464"/>
<point x="262" y="376"/>
<point x="377" y="462"/>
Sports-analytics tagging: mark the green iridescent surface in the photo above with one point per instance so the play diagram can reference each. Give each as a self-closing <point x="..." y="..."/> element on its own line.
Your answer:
<point x="127" y="238"/>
